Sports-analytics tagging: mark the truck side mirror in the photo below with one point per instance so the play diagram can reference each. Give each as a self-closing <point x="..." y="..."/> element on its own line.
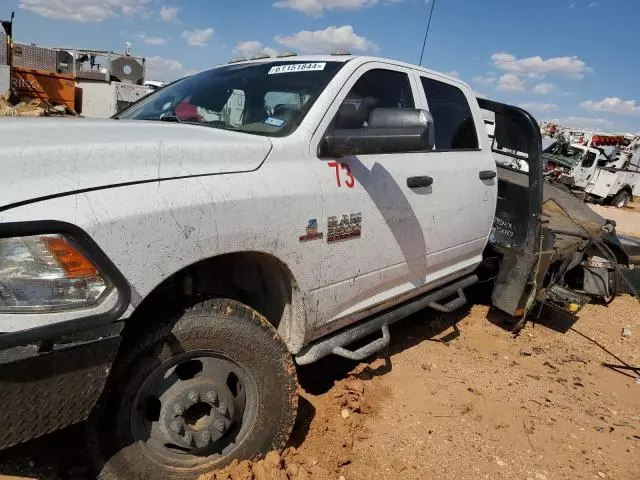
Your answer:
<point x="388" y="130"/>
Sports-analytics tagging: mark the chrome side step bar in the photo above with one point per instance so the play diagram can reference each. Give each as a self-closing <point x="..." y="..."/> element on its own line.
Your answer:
<point x="335" y="344"/>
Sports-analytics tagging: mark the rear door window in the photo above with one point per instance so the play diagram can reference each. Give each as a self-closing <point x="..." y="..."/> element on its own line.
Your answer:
<point x="588" y="159"/>
<point x="454" y="126"/>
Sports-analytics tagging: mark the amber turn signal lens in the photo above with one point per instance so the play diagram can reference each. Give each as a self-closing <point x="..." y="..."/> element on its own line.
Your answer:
<point x="72" y="261"/>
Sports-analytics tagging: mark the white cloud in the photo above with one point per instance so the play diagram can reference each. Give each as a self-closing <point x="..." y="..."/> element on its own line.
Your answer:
<point x="198" y="38"/>
<point x="169" y="14"/>
<point x="573" y="5"/>
<point x="162" y="69"/>
<point x="584" y="122"/>
<point x="544" y="88"/>
<point x="253" y="47"/>
<point x="85" y="10"/>
<point x="593" y="4"/>
<point x="537" y="67"/>
<point x="486" y="81"/>
<point x="453" y="73"/>
<point x="153" y="40"/>
<point x="324" y="41"/>
<point x="510" y="83"/>
<point x="479" y="94"/>
<point x="317" y="7"/>
<point x="613" y="105"/>
<point x="540" y="107"/>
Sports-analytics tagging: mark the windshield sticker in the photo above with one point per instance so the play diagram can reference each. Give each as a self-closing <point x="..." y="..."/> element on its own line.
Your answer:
<point x="274" y="122"/>
<point x="297" y="67"/>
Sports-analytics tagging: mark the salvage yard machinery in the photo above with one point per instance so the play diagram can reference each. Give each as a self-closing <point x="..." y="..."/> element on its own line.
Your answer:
<point x="604" y="169"/>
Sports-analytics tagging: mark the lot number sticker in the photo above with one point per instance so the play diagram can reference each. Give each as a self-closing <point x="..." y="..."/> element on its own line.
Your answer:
<point x="274" y="122"/>
<point x="297" y="67"/>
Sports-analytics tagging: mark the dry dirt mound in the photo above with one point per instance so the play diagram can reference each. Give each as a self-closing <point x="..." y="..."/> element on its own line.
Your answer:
<point x="329" y="441"/>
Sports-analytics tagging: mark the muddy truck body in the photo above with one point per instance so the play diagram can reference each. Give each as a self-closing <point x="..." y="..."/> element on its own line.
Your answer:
<point x="162" y="272"/>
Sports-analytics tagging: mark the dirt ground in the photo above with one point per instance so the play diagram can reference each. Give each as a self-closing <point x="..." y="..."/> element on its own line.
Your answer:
<point x="627" y="219"/>
<point x="454" y="397"/>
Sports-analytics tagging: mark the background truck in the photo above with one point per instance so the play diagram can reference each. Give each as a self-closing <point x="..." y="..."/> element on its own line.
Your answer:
<point x="161" y="271"/>
<point x="595" y="170"/>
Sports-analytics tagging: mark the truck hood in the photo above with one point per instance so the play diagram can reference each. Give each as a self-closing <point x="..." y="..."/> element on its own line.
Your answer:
<point x="52" y="156"/>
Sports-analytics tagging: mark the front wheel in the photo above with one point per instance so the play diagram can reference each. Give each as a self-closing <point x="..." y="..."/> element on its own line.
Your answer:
<point x="620" y="200"/>
<point x="212" y="385"/>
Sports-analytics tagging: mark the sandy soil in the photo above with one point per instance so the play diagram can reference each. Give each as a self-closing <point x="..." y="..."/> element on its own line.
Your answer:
<point x="627" y="219"/>
<point x="454" y="397"/>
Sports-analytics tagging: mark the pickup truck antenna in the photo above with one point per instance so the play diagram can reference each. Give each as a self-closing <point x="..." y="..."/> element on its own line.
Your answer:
<point x="426" y="33"/>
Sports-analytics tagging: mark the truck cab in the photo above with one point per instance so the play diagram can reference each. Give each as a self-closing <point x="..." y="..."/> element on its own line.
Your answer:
<point x="590" y="159"/>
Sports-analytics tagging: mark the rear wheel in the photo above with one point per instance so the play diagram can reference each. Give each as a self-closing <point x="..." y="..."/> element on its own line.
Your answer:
<point x="214" y="384"/>
<point x="620" y="200"/>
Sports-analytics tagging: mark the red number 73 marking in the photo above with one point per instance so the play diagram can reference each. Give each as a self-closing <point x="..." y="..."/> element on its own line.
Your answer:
<point x="350" y="181"/>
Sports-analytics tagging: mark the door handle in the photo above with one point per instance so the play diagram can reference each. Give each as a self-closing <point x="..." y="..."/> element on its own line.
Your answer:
<point x="487" y="174"/>
<point x="417" y="182"/>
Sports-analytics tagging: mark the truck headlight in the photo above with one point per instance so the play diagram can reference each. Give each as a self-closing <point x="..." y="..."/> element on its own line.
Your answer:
<point x="47" y="273"/>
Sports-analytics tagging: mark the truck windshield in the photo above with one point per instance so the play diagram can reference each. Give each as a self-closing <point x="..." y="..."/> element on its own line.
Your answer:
<point x="563" y="154"/>
<point x="268" y="98"/>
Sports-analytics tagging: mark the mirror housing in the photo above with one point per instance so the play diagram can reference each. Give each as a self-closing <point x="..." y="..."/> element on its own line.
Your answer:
<point x="389" y="130"/>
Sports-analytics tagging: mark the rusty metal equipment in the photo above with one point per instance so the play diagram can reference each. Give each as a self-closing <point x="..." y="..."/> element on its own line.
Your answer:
<point x="54" y="88"/>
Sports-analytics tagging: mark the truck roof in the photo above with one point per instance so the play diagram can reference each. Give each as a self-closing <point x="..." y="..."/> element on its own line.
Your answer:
<point x="360" y="59"/>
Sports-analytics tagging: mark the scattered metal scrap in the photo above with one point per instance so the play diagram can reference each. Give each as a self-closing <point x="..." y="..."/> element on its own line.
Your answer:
<point x="12" y="106"/>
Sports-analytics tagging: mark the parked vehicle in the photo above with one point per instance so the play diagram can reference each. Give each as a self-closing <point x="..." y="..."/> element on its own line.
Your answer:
<point x="160" y="272"/>
<point x="594" y="171"/>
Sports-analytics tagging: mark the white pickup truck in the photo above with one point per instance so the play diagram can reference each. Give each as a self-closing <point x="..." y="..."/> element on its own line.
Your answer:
<point x="161" y="271"/>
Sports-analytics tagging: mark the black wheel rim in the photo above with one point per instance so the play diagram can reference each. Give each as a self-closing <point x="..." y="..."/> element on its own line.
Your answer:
<point x="193" y="409"/>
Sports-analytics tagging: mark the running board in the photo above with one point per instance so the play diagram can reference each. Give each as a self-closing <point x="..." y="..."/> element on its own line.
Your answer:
<point x="335" y="344"/>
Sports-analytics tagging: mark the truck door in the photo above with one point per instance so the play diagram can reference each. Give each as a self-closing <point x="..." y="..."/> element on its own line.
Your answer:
<point x="602" y="183"/>
<point x="375" y="247"/>
<point x="464" y="192"/>
<point x="584" y="170"/>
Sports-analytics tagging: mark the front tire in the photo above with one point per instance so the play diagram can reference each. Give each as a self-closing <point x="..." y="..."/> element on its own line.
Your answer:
<point x="210" y="385"/>
<point x="620" y="200"/>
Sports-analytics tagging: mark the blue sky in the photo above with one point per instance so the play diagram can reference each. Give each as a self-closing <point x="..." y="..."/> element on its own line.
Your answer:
<point x="577" y="61"/>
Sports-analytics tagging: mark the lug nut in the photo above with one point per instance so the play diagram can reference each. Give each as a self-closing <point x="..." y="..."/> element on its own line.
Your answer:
<point x="222" y="408"/>
<point x="193" y="396"/>
<point x="175" y="426"/>
<point x="211" y="396"/>
<point x="205" y="437"/>
<point x="219" y="426"/>
<point x="177" y="409"/>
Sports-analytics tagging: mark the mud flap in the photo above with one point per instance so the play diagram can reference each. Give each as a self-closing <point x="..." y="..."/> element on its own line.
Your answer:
<point x="43" y="392"/>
